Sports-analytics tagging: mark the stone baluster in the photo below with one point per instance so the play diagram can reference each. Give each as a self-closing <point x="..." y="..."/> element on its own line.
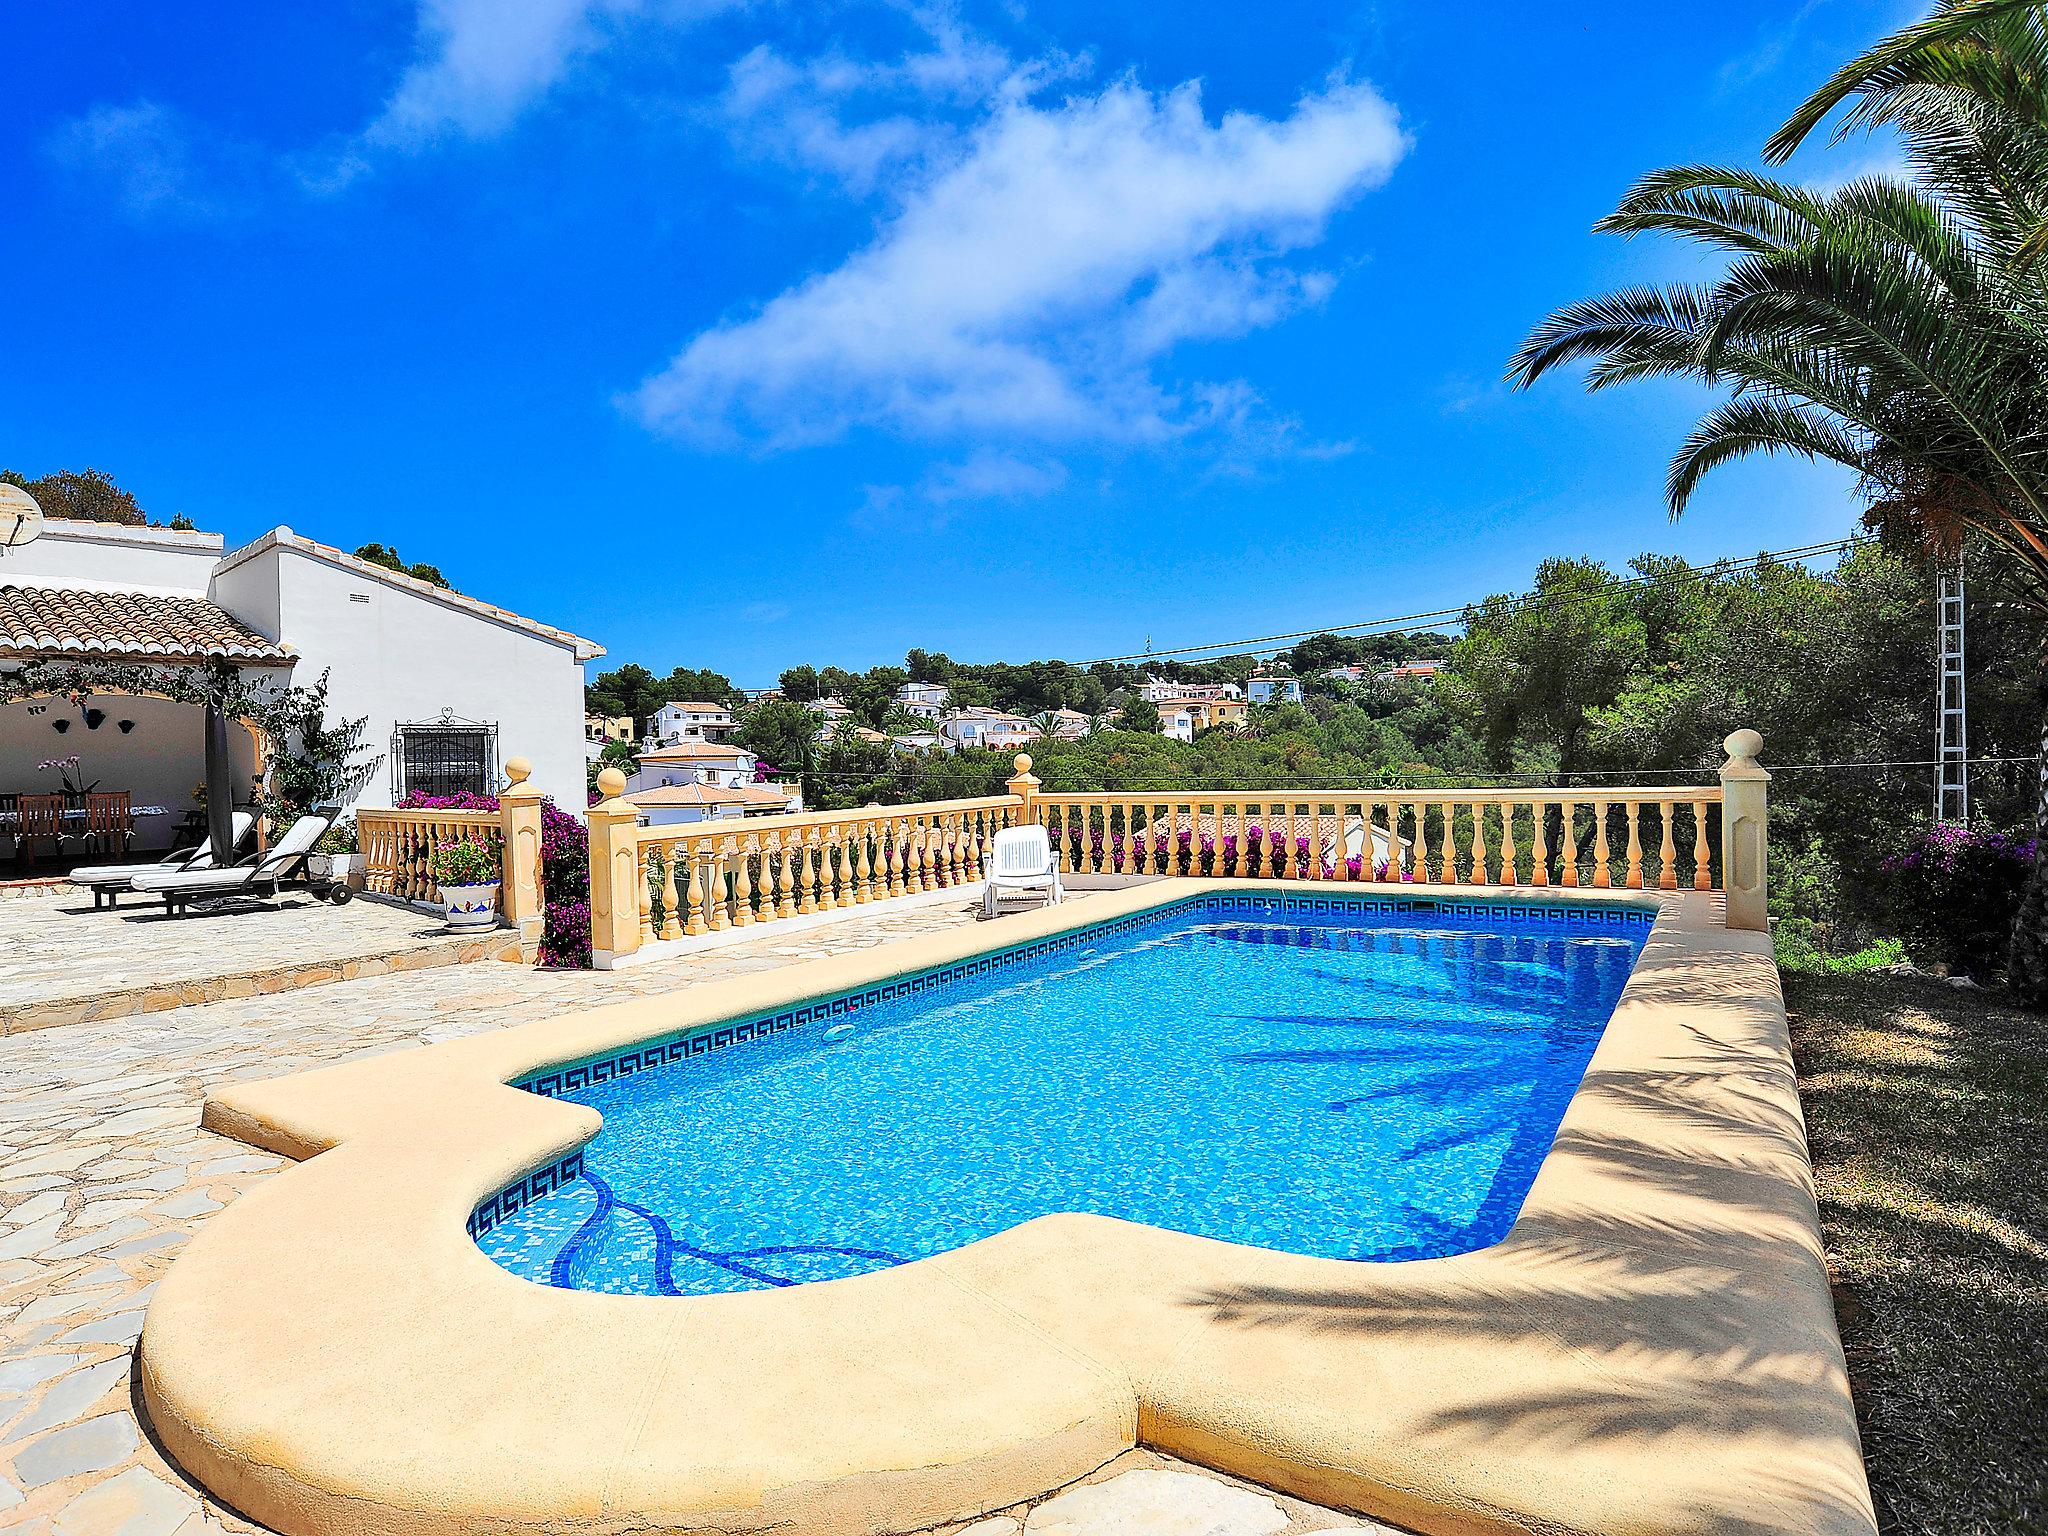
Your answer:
<point x="784" y="904"/>
<point x="1479" y="874"/>
<point x="645" y="891"/>
<point x="1667" y="852"/>
<point x="1568" y="843"/>
<point x="1702" y="865"/>
<point x="1539" y="853"/>
<point x="742" y="882"/>
<point x="1509" y="873"/>
<point x="1603" y="874"/>
<point x="1634" y="810"/>
<point x="671" y="893"/>
<point x="863" y="870"/>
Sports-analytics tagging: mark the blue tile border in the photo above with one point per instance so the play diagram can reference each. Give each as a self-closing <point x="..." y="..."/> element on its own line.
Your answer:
<point x="557" y="1082"/>
<point x="515" y="1196"/>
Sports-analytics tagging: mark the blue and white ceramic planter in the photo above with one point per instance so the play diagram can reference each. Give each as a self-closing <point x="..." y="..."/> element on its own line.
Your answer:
<point x="471" y="906"/>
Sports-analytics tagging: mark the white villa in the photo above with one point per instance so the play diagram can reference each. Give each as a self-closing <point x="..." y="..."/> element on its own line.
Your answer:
<point x="693" y="762"/>
<point x="1153" y="691"/>
<point x="450" y="685"/>
<point x="925" y="699"/>
<point x="675" y="722"/>
<point x="981" y="727"/>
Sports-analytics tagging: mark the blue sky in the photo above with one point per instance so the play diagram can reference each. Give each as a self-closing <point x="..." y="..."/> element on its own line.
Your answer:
<point x="740" y="334"/>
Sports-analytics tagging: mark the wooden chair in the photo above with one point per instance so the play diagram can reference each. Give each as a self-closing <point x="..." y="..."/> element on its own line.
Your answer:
<point x="42" y="816"/>
<point x="109" y="821"/>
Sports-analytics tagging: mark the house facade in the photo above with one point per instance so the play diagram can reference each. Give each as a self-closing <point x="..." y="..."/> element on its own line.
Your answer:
<point x="927" y="700"/>
<point x="675" y="722"/>
<point x="693" y="762"/>
<point x="449" y="685"/>
<point x="1154" y="691"/>
<point x="1274" y="688"/>
<point x="1182" y="718"/>
<point x="981" y="727"/>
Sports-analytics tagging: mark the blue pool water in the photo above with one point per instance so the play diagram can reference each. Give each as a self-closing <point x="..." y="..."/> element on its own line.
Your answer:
<point x="1359" y="1085"/>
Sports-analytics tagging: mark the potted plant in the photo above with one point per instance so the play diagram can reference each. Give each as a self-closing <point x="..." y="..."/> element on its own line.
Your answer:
<point x="467" y="874"/>
<point x="337" y="856"/>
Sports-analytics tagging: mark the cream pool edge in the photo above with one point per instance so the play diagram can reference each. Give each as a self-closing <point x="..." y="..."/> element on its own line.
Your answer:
<point x="1651" y="1350"/>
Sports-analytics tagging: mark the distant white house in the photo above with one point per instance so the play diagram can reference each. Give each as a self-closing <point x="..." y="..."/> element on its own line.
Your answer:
<point x="693" y="762"/>
<point x="982" y="727"/>
<point x="832" y="709"/>
<point x="674" y="723"/>
<point x="925" y="699"/>
<point x="1346" y="674"/>
<point x="1274" y="688"/>
<point x="674" y="804"/>
<point x="449" y="685"/>
<point x="1154" y="691"/>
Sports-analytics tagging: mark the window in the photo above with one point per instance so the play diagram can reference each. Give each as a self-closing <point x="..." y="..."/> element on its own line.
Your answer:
<point x="444" y="757"/>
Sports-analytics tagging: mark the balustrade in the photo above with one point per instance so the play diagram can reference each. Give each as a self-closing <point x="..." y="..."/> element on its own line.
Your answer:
<point x="659" y="884"/>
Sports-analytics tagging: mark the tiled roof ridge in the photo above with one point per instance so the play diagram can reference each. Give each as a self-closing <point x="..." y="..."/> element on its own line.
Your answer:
<point x="73" y="621"/>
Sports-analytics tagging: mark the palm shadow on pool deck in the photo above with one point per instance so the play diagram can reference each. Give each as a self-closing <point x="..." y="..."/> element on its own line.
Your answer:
<point x="1696" y="1326"/>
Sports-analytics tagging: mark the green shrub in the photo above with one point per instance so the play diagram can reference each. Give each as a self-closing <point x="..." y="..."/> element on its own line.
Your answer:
<point x="463" y="863"/>
<point x="1794" y="941"/>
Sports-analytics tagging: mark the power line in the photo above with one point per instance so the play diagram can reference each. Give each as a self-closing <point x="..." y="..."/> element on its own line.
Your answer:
<point x="1266" y="644"/>
<point x="1589" y="779"/>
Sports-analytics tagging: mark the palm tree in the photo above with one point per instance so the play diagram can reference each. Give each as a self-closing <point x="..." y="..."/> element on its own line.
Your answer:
<point x="1898" y="327"/>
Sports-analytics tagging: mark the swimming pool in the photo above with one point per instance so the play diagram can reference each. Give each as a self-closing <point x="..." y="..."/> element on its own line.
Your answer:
<point x="1357" y="1078"/>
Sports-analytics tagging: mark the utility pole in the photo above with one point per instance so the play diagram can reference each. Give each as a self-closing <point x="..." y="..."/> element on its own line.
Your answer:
<point x="1952" y="727"/>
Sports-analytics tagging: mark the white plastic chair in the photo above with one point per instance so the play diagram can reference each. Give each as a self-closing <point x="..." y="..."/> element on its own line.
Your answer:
<point x="1022" y="862"/>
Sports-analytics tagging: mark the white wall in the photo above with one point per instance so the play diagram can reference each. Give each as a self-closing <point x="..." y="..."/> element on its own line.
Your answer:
<point x="394" y="654"/>
<point x="158" y="762"/>
<point x="109" y="556"/>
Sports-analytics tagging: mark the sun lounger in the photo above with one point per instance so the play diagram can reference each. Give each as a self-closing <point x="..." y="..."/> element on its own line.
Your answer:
<point x="108" y="881"/>
<point x="261" y="875"/>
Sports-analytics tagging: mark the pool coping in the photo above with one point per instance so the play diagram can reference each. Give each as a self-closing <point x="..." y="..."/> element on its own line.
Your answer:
<point x="1650" y="1351"/>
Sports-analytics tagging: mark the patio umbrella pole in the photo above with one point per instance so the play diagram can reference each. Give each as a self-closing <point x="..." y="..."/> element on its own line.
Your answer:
<point x="220" y="789"/>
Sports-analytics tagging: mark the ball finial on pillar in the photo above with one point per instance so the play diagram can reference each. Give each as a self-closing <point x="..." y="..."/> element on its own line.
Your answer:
<point x="518" y="770"/>
<point x="611" y="783"/>
<point x="1023" y="762"/>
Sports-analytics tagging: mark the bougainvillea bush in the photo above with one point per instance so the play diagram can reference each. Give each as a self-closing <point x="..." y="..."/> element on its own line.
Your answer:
<point x="1952" y="892"/>
<point x="564" y="874"/>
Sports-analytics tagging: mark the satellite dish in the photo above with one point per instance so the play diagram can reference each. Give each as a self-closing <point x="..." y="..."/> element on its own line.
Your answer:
<point x="21" y="520"/>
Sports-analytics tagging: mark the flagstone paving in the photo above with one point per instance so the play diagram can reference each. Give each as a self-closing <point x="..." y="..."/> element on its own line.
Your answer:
<point x="62" y="962"/>
<point x="105" y="1173"/>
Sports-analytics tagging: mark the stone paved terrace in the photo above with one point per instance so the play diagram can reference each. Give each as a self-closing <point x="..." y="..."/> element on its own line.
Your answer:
<point x="104" y="1174"/>
<point x="62" y="962"/>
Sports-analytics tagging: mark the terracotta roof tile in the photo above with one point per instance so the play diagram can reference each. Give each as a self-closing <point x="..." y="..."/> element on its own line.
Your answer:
<point x="61" y="621"/>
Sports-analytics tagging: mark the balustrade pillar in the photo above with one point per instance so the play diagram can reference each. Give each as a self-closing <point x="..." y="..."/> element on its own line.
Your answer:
<point x="614" y="871"/>
<point x="1745" y="838"/>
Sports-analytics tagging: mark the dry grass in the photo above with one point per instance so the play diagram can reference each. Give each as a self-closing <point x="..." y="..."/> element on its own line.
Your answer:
<point x="1927" y="1113"/>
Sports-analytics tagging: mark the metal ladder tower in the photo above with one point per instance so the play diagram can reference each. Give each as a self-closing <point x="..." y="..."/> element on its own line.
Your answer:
<point x="1952" y="728"/>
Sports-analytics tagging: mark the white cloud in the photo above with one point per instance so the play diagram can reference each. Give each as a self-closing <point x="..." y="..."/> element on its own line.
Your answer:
<point x="853" y="119"/>
<point x="146" y="159"/>
<point x="482" y="61"/>
<point x="1032" y="284"/>
<point x="991" y="477"/>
